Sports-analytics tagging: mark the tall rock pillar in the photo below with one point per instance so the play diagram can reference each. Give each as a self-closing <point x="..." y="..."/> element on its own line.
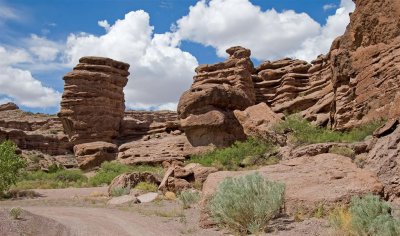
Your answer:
<point x="92" y="105"/>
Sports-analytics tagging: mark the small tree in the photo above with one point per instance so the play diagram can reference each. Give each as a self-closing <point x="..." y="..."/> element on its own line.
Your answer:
<point x="10" y="164"/>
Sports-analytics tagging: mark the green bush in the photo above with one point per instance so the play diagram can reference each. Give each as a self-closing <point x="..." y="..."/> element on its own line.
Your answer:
<point x="119" y="191"/>
<point x="303" y="132"/>
<point x="246" y="204"/>
<point x="10" y="165"/>
<point x="58" y="179"/>
<point x="368" y="216"/>
<point x="189" y="197"/>
<point x="147" y="187"/>
<point x="230" y="158"/>
<point x="110" y="170"/>
<point x="344" y="151"/>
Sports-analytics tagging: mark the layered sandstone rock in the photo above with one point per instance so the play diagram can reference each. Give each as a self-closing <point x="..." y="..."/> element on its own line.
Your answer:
<point x="92" y="154"/>
<point x="366" y="65"/>
<point x="137" y="124"/>
<point x="39" y="136"/>
<point x="156" y="149"/>
<point x="92" y="105"/>
<point x="8" y="106"/>
<point x="206" y="109"/>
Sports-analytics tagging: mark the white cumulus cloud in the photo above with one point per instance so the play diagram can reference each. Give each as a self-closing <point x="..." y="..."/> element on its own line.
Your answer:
<point x="269" y="34"/>
<point x="335" y="26"/>
<point x="225" y="23"/>
<point x="160" y="71"/>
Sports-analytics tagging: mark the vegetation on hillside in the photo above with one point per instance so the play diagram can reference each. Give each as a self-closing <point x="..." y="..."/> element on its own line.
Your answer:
<point x="368" y="215"/>
<point x="303" y="132"/>
<point x="246" y="204"/>
<point x="232" y="158"/>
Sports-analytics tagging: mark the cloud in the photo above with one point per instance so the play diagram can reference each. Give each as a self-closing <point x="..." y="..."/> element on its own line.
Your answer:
<point x="104" y="24"/>
<point x="160" y="71"/>
<point x="22" y="88"/>
<point x="7" y="13"/>
<point x="225" y="23"/>
<point x="329" y="6"/>
<point x="334" y="27"/>
<point x="43" y="49"/>
<point x="19" y="85"/>
<point x="269" y="34"/>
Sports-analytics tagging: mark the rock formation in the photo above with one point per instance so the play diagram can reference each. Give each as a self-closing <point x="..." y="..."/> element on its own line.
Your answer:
<point x="92" y="105"/>
<point x="384" y="159"/>
<point x="206" y="110"/>
<point x="40" y="137"/>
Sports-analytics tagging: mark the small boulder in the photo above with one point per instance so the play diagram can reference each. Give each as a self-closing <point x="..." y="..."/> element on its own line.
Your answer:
<point x="147" y="197"/>
<point x="170" y="196"/>
<point x="122" y="200"/>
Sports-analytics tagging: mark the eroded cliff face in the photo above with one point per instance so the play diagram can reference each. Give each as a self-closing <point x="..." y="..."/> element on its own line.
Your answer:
<point x="366" y="65"/>
<point x="356" y="82"/>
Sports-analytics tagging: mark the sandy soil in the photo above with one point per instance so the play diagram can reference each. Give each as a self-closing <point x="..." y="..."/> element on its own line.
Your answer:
<point x="83" y="212"/>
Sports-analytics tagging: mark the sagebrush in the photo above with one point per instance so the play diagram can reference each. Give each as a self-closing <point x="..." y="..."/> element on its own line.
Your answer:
<point x="246" y="204"/>
<point x="188" y="198"/>
<point x="368" y="215"/>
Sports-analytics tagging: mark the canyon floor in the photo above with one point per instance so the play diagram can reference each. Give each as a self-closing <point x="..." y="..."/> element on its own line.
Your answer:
<point x="83" y="211"/>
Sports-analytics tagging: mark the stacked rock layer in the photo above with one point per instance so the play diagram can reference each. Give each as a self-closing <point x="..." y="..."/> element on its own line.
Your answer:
<point x="92" y="105"/>
<point x="206" y="110"/>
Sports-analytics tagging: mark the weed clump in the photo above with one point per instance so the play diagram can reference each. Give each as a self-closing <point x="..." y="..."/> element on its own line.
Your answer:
<point x="231" y="158"/>
<point x="147" y="187"/>
<point x="188" y="198"/>
<point x="303" y="132"/>
<point x="119" y="191"/>
<point x="246" y="204"/>
<point x="15" y="213"/>
<point x="366" y="216"/>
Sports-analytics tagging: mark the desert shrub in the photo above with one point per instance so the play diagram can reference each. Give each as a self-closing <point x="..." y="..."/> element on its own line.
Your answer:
<point x="15" y="213"/>
<point x="110" y="170"/>
<point x="120" y="191"/>
<point x="344" y="151"/>
<point x="367" y="216"/>
<point x="230" y="158"/>
<point x="10" y="165"/>
<point x="58" y="179"/>
<point x="147" y="187"/>
<point x="303" y="132"/>
<point x="188" y="198"/>
<point x="246" y="204"/>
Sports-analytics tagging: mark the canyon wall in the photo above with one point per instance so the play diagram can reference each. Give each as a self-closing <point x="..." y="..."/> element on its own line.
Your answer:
<point x="356" y="82"/>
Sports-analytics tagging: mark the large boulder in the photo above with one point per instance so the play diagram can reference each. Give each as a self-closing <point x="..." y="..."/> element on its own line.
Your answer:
<point x="90" y="155"/>
<point x="384" y="159"/>
<point x="92" y="105"/>
<point x="259" y="121"/>
<point x="130" y="180"/>
<point x="326" y="179"/>
<point x="206" y="109"/>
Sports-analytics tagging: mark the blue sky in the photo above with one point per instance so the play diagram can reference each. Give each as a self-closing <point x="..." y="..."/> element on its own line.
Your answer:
<point x="163" y="40"/>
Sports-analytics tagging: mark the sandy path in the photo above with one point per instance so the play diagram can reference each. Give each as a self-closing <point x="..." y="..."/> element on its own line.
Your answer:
<point x="109" y="222"/>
